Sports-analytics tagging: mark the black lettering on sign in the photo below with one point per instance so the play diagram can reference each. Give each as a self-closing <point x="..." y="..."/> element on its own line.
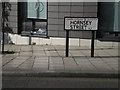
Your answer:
<point x="79" y="25"/>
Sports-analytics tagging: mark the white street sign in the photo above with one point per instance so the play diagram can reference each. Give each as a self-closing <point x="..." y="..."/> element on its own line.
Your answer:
<point x="81" y="23"/>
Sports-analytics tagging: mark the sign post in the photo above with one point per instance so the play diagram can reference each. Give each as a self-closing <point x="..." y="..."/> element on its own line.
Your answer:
<point x="80" y="24"/>
<point x="67" y="43"/>
<point x="92" y="44"/>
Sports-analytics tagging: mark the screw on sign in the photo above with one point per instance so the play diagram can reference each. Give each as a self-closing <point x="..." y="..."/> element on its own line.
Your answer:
<point x="80" y="23"/>
<point x="77" y="23"/>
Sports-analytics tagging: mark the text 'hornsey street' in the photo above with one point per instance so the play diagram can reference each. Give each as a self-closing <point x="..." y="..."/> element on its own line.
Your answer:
<point x="81" y="25"/>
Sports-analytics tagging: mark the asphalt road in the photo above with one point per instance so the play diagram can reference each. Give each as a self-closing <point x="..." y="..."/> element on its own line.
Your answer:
<point x="58" y="82"/>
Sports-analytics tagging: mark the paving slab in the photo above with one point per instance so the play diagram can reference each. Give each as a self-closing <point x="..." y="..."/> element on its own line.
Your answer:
<point x="50" y="60"/>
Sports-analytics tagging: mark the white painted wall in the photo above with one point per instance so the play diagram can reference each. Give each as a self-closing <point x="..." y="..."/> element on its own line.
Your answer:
<point x="20" y="40"/>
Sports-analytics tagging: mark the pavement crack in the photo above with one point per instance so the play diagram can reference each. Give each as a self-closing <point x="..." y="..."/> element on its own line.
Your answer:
<point x="75" y="62"/>
<point x="23" y="62"/>
<point x="9" y="61"/>
<point x="33" y="62"/>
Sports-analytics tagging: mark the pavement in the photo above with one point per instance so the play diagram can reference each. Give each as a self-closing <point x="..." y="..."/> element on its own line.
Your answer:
<point x="50" y="61"/>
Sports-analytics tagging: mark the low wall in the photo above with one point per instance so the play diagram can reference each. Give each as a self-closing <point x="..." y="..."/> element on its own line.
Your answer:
<point x="20" y="40"/>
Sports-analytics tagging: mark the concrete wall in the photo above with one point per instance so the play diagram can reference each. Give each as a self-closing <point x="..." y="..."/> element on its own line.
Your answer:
<point x="58" y="10"/>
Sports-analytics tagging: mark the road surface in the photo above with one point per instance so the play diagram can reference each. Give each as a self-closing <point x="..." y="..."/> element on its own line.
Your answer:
<point x="58" y="82"/>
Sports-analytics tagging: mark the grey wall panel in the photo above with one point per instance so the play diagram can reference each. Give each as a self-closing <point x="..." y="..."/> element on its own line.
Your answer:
<point x="80" y="34"/>
<point x="90" y="14"/>
<point x="90" y="8"/>
<point x="13" y="24"/>
<point x="61" y="21"/>
<point x="77" y="3"/>
<point x="13" y="3"/>
<point x="52" y="3"/>
<point x="76" y="14"/>
<point x="76" y="9"/>
<point x="62" y="34"/>
<point x="64" y="8"/>
<point x="13" y="13"/>
<point x="64" y="3"/>
<point x="52" y="27"/>
<point x="53" y="8"/>
<point x="53" y="21"/>
<point x="76" y="33"/>
<point x="86" y="34"/>
<point x="61" y="27"/>
<point x="90" y="3"/>
<point x="53" y="15"/>
<point x="53" y="33"/>
<point x="13" y="18"/>
<point x="62" y="15"/>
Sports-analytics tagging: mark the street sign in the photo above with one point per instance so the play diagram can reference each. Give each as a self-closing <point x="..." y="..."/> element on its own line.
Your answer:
<point x="76" y="23"/>
<point x="83" y="24"/>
